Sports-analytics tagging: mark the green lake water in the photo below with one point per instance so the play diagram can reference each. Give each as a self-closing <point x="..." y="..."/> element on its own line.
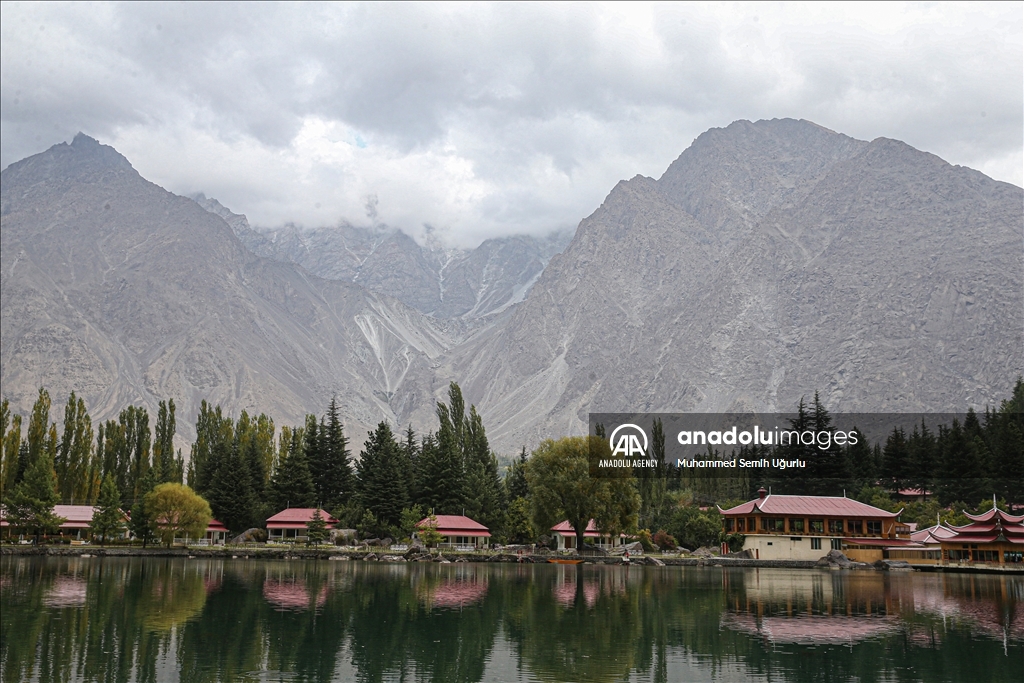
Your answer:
<point x="154" y="619"/>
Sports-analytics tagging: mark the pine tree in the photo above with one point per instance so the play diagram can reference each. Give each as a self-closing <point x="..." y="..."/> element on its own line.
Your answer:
<point x="515" y="479"/>
<point x="30" y="504"/>
<point x="292" y="484"/>
<point x="380" y="478"/>
<point x="411" y="463"/>
<point x="230" y="494"/>
<point x="895" y="461"/>
<point x="316" y="529"/>
<point x="330" y="465"/>
<point x="107" y="518"/>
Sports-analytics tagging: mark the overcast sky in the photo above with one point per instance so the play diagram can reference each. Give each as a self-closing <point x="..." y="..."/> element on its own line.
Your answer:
<point x="483" y="120"/>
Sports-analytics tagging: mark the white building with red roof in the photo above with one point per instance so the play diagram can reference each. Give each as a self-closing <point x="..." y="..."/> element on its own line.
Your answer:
<point x="782" y="527"/>
<point x="565" y="536"/>
<point x="460" y="531"/>
<point x="291" y="524"/>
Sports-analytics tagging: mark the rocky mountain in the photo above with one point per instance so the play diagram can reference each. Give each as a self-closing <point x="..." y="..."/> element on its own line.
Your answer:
<point x="472" y="284"/>
<point x="126" y="293"/>
<point x="772" y="259"/>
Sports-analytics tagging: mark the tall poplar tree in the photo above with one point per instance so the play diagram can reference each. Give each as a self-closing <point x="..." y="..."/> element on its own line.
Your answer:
<point x="164" y="462"/>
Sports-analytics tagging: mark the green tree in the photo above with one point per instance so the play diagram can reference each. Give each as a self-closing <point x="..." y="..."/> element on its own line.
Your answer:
<point x="515" y="478"/>
<point x="485" y="493"/>
<point x="562" y="488"/>
<point x="428" y="532"/>
<point x="142" y="521"/>
<point x="176" y="510"/>
<point x="331" y="465"/>
<point x="107" y="519"/>
<point x="39" y="441"/>
<point x="518" y="527"/>
<point x="292" y="483"/>
<point x="74" y="453"/>
<point x="411" y="516"/>
<point x="11" y="445"/>
<point x="316" y="529"/>
<point x="381" y="479"/>
<point x="164" y="462"/>
<point x="30" y="505"/>
<point x="443" y="486"/>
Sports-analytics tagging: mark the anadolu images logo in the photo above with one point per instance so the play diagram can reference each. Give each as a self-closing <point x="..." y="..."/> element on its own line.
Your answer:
<point x="628" y="444"/>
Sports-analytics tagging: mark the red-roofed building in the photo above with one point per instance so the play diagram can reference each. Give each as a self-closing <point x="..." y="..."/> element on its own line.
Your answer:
<point x="993" y="537"/>
<point x="565" y="536"/>
<point x="77" y="520"/>
<point x="780" y="527"/>
<point x="291" y="524"/>
<point x="216" y="533"/>
<point x="460" y="531"/>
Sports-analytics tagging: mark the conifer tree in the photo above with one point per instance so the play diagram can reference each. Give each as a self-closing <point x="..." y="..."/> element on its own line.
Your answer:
<point x="515" y="479"/>
<point x="30" y="505"/>
<point x="330" y="463"/>
<point x="230" y="493"/>
<point x="292" y="484"/>
<point x="107" y="518"/>
<point x="381" y="480"/>
<point x="411" y="463"/>
<point x="895" y="457"/>
<point x="316" y="529"/>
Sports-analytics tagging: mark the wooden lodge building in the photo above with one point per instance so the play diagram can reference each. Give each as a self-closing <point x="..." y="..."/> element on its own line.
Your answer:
<point x="291" y="524"/>
<point x="806" y="527"/>
<point x="460" y="532"/>
<point x="778" y="527"/>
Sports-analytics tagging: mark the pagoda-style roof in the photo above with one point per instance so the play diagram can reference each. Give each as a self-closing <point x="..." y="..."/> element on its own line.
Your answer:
<point x="996" y="513"/>
<point x="993" y="526"/>
<point x="810" y="506"/>
<point x="933" y="535"/>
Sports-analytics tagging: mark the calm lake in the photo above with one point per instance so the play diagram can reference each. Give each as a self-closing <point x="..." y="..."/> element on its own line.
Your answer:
<point x="153" y="619"/>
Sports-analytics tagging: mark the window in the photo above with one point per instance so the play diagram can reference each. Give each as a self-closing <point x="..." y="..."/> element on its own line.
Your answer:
<point x="751" y="524"/>
<point x="837" y="544"/>
<point x="1013" y="556"/>
<point x="855" y="526"/>
<point x="741" y="525"/>
<point x="796" y="525"/>
<point x="815" y="544"/>
<point x="875" y="528"/>
<point x="773" y="524"/>
<point x="729" y="524"/>
<point x="817" y="526"/>
<point x="986" y="555"/>
<point x="835" y="526"/>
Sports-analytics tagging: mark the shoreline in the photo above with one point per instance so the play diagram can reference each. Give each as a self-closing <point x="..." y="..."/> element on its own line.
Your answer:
<point x="331" y="554"/>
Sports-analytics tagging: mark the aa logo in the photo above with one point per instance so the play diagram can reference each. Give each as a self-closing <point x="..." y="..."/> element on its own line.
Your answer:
<point x="628" y="442"/>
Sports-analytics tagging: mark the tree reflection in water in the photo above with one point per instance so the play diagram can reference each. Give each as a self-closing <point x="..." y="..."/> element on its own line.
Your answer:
<point x="121" y="619"/>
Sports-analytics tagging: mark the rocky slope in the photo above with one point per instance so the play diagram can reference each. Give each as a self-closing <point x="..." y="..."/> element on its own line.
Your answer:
<point x="472" y="284"/>
<point x="772" y="259"/>
<point x="126" y="293"/>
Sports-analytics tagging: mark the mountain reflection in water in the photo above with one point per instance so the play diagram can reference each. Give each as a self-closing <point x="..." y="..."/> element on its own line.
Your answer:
<point x="124" y="619"/>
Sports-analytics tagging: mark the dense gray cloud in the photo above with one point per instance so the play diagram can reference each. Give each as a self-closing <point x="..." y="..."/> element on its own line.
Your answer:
<point x="489" y="119"/>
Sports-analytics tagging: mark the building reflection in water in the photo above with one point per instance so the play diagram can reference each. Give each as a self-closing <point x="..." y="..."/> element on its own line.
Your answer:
<point x="821" y="607"/>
